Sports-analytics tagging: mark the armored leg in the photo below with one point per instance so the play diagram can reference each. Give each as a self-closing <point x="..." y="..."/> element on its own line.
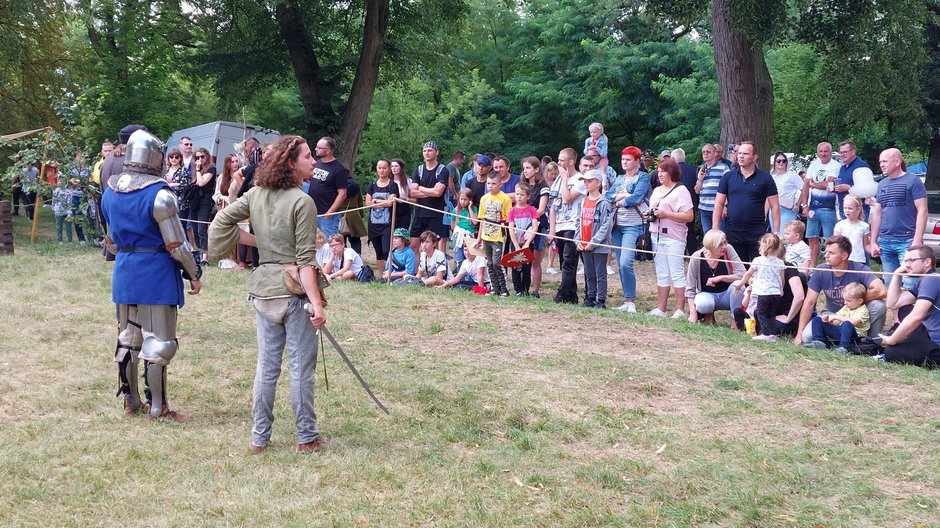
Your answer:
<point x="126" y="355"/>
<point x="158" y="323"/>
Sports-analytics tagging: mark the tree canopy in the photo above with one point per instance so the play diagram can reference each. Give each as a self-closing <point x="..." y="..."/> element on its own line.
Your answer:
<point x="520" y="78"/>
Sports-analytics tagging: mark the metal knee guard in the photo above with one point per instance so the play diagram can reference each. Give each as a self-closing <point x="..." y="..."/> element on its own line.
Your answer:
<point x="126" y="353"/>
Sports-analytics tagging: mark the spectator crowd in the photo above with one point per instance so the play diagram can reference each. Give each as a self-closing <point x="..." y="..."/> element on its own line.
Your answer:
<point x="724" y="235"/>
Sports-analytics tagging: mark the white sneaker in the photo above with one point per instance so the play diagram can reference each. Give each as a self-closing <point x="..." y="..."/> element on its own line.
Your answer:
<point x="580" y="271"/>
<point x="764" y="338"/>
<point x="628" y="307"/>
<point x="678" y="314"/>
<point x="610" y="270"/>
<point x="656" y="312"/>
<point x="551" y="271"/>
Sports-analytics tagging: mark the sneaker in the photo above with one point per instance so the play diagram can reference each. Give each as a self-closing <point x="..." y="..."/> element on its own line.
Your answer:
<point x="656" y="312"/>
<point x="520" y="294"/>
<point x="627" y="306"/>
<point x="536" y="295"/>
<point x="504" y="294"/>
<point x="551" y="271"/>
<point x="678" y="314"/>
<point x="841" y="351"/>
<point x="764" y="338"/>
<point x="879" y="357"/>
<point x="816" y="344"/>
<point x="600" y="305"/>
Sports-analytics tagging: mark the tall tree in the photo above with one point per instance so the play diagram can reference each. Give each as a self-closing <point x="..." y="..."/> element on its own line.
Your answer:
<point x="745" y="89"/>
<point x="335" y="52"/>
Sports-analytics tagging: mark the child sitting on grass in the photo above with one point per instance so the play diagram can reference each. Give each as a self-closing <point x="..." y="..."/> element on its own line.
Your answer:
<point x="432" y="265"/>
<point x="847" y="324"/>
<point x="472" y="272"/>
<point x="344" y="263"/>
<point x="403" y="262"/>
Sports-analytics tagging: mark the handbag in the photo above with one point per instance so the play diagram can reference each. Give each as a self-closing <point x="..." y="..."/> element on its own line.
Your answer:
<point x="343" y="228"/>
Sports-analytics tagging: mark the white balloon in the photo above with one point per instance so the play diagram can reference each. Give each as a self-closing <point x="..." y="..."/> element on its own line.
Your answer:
<point x="865" y="186"/>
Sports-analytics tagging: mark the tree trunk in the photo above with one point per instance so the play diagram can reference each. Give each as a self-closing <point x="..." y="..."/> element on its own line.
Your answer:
<point x="367" y="75"/>
<point x="293" y="31"/>
<point x="933" y="162"/>
<point x="745" y="89"/>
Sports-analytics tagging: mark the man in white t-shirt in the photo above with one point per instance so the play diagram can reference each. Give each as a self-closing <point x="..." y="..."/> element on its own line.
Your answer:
<point x="818" y="199"/>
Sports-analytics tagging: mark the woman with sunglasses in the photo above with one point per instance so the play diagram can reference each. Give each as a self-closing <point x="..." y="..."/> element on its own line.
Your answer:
<point x="789" y="187"/>
<point x="204" y="173"/>
<point x="178" y="178"/>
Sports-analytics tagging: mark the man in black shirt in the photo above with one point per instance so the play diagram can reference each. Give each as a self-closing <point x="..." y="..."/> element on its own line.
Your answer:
<point x="328" y="186"/>
<point x="428" y="183"/>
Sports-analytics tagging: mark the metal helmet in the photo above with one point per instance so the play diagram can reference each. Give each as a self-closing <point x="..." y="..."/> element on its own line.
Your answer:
<point x="144" y="153"/>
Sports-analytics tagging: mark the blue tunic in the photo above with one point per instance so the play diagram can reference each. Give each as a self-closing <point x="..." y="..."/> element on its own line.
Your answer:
<point x="140" y="278"/>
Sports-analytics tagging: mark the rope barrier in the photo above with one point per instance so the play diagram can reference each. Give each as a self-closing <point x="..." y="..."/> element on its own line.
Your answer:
<point x="650" y="252"/>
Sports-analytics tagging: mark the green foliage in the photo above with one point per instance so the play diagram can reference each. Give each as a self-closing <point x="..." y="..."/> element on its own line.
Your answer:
<point x="406" y="115"/>
<point x="693" y="114"/>
<point x="34" y="55"/>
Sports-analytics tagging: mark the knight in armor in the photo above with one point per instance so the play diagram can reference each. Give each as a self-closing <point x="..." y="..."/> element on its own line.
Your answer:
<point x="152" y="257"/>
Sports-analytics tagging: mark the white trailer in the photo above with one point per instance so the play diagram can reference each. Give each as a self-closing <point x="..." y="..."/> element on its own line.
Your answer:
<point x="220" y="137"/>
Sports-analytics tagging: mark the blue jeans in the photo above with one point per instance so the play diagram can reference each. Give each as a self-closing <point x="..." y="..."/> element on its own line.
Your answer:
<point x="297" y="333"/>
<point x="786" y="215"/>
<point x="329" y="226"/>
<point x="824" y="221"/>
<point x="625" y="236"/>
<point x="844" y="332"/>
<point x="706" y="217"/>
<point x="892" y="252"/>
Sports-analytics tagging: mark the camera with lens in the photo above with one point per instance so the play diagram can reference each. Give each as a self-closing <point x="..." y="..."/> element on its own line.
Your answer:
<point x="651" y="214"/>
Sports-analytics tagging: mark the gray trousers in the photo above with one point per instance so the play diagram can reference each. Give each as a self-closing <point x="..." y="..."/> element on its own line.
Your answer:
<point x="298" y="334"/>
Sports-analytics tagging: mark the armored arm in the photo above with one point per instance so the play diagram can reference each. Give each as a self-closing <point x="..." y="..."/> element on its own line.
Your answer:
<point x="165" y="212"/>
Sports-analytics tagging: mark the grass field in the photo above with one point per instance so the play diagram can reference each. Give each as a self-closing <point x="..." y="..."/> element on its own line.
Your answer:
<point x="504" y="412"/>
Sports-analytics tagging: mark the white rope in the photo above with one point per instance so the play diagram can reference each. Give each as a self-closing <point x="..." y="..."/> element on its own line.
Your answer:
<point x="650" y="252"/>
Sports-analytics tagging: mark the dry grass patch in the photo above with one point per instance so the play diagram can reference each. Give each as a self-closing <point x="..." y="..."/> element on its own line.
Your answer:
<point x="505" y="412"/>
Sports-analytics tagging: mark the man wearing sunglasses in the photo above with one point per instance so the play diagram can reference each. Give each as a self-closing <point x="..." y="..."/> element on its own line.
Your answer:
<point x="916" y="340"/>
<point x="186" y="146"/>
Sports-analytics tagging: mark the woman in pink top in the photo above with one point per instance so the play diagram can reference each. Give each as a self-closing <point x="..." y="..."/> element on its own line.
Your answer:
<point x="670" y="210"/>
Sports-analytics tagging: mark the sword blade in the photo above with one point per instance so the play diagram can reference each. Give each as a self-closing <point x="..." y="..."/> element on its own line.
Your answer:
<point x="352" y="367"/>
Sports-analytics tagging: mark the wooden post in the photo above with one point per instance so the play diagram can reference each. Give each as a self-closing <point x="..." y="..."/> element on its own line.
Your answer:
<point x="6" y="228"/>
<point x="391" y="236"/>
<point x="37" y="203"/>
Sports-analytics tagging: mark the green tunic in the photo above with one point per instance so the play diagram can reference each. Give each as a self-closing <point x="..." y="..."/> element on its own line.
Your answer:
<point x="285" y="226"/>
